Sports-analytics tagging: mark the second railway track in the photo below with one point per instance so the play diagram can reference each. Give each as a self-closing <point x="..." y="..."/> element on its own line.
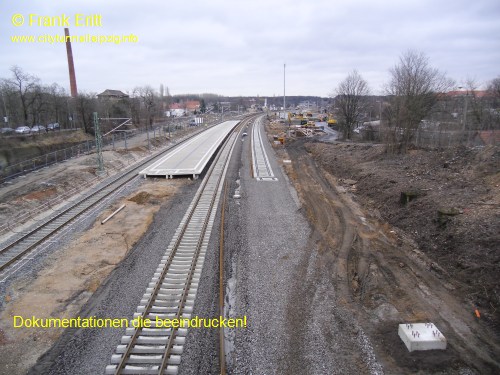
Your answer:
<point x="16" y="248"/>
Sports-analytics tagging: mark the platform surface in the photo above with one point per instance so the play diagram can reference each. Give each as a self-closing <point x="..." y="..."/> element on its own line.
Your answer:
<point x="191" y="157"/>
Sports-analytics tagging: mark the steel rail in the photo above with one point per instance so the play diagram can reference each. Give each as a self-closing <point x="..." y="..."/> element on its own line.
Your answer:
<point x="166" y="268"/>
<point x="174" y="303"/>
<point x="222" y="351"/>
<point x="261" y="166"/>
<point x="34" y="236"/>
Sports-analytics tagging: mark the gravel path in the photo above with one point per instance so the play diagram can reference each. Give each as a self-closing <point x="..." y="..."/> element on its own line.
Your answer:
<point x="272" y="237"/>
<point x="295" y="325"/>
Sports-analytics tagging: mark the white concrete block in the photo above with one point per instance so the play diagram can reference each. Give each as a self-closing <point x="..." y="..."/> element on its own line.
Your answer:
<point x="421" y="336"/>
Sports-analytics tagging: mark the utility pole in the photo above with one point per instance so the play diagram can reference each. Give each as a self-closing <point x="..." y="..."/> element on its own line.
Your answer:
<point x="98" y="145"/>
<point x="284" y="95"/>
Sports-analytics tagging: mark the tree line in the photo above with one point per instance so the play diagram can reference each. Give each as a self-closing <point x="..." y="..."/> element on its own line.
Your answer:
<point x="414" y="92"/>
<point x="26" y="101"/>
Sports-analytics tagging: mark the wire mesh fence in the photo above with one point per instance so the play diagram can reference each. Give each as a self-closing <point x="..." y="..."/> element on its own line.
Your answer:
<point x="429" y="138"/>
<point x="119" y="140"/>
<point x="114" y="141"/>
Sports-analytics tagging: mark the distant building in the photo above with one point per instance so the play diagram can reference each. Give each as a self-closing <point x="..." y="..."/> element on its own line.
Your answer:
<point x="487" y="137"/>
<point x="180" y="109"/>
<point x="192" y="105"/>
<point x="177" y="110"/>
<point x="112" y="94"/>
<point x="114" y="103"/>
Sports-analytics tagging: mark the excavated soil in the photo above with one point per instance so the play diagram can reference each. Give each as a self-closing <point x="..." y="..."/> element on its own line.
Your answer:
<point x="392" y="262"/>
<point x="454" y="218"/>
<point x="73" y="273"/>
<point x="26" y="196"/>
<point x="433" y="256"/>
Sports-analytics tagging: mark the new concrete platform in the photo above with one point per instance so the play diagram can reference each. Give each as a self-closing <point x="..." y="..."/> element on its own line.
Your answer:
<point x="191" y="157"/>
<point x="421" y="336"/>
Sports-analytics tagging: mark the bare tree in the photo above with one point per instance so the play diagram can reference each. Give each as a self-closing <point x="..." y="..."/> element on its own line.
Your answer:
<point x="494" y="93"/>
<point x="168" y="99"/>
<point x="58" y="100"/>
<point x="351" y="100"/>
<point x="10" y="107"/>
<point x="25" y="85"/>
<point x="85" y="107"/>
<point x="38" y="104"/>
<point x="27" y="101"/>
<point x="494" y="87"/>
<point x="414" y="89"/>
<point x="148" y="101"/>
<point x="478" y="109"/>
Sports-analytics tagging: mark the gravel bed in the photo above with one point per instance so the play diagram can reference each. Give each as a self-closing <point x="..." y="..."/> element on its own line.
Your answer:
<point x="201" y="352"/>
<point x="267" y="247"/>
<point x="295" y="323"/>
<point x="88" y="351"/>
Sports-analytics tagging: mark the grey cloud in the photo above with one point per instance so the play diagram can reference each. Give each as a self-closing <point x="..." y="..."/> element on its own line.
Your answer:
<point x="239" y="47"/>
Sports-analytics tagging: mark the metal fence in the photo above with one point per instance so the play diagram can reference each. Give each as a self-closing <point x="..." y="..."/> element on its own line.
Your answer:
<point x="160" y="132"/>
<point x="114" y="141"/>
<point x="429" y="138"/>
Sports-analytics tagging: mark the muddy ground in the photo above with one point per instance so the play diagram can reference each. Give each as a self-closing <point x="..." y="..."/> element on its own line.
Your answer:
<point x="35" y="193"/>
<point x="72" y="273"/>
<point x="395" y="262"/>
<point x="390" y="262"/>
<point x="38" y="192"/>
<point x="454" y="218"/>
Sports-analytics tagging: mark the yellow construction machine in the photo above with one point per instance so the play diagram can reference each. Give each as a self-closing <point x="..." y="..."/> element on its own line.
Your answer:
<point x="331" y="121"/>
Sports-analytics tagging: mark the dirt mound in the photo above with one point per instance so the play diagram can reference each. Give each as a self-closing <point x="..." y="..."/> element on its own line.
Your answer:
<point x="141" y="198"/>
<point x="394" y="260"/>
<point x="454" y="215"/>
<point x="132" y="149"/>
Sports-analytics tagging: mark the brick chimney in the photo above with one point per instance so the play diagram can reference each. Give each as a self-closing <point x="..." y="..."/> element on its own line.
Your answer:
<point x="71" y="65"/>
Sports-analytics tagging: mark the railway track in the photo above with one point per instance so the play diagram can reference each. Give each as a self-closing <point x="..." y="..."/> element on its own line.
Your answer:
<point x="261" y="167"/>
<point x="172" y="291"/>
<point x="25" y="242"/>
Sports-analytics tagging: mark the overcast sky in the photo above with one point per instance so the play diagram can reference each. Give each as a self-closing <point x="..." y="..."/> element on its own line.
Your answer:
<point x="239" y="47"/>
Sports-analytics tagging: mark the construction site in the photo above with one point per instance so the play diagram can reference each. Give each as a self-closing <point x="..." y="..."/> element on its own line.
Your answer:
<point x="148" y="233"/>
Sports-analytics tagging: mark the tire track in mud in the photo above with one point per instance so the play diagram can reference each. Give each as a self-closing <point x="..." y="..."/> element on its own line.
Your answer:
<point x="378" y="280"/>
<point x="337" y="238"/>
<point x="314" y="302"/>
